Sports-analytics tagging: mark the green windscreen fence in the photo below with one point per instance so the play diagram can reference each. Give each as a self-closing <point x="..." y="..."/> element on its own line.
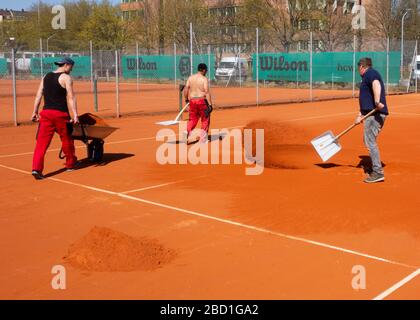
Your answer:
<point x="165" y="67"/>
<point x="327" y="66"/>
<point x="82" y="67"/>
<point x="3" y="66"/>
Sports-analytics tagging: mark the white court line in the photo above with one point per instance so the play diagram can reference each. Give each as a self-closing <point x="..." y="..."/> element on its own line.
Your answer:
<point x="226" y="221"/>
<point x="161" y="185"/>
<point x="153" y="187"/>
<point x="398" y="285"/>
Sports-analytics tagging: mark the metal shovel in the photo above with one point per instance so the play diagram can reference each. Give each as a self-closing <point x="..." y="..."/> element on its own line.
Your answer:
<point x="177" y="119"/>
<point x="327" y="145"/>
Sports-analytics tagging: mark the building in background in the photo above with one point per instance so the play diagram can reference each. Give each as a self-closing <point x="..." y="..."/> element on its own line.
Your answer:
<point x="10" y="15"/>
<point x="329" y="20"/>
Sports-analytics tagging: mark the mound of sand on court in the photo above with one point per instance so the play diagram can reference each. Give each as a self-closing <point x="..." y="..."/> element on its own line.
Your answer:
<point x="286" y="146"/>
<point x="105" y="250"/>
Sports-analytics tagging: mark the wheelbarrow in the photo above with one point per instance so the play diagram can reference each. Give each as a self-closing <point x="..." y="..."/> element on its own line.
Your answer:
<point x="92" y="131"/>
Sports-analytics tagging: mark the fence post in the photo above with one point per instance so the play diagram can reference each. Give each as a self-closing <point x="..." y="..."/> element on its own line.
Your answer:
<point x="209" y="62"/>
<point x="117" y="83"/>
<point x="415" y="65"/>
<point x="137" y="67"/>
<point x="175" y="75"/>
<point x="257" y="65"/>
<point x="13" y="65"/>
<point x="101" y="58"/>
<point x="91" y="63"/>
<point x="387" y="65"/>
<point x="240" y="67"/>
<point x="354" y="66"/>
<point x="41" y="55"/>
<point x="191" y="48"/>
<point x="311" y="67"/>
<point x="95" y="92"/>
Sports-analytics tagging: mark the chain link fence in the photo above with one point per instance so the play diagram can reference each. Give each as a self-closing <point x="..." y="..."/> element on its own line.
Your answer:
<point x="247" y="67"/>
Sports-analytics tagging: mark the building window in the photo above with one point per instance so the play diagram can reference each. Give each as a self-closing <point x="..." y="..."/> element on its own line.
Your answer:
<point x="303" y="25"/>
<point x="315" y="25"/>
<point x="304" y="45"/>
<point x="348" y="6"/>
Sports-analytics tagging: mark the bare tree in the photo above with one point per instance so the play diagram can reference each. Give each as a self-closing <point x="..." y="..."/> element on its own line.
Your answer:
<point x="335" y="28"/>
<point x="383" y="20"/>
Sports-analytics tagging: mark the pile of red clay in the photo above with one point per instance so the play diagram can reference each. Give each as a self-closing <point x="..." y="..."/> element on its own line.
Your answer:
<point x="286" y="146"/>
<point x="105" y="250"/>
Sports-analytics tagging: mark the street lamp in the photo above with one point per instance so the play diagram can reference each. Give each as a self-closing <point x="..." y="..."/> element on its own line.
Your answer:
<point x="402" y="41"/>
<point x="48" y="39"/>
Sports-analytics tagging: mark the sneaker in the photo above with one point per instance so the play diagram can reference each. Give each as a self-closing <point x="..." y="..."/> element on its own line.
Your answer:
<point x="38" y="175"/>
<point x="375" y="178"/>
<point x="75" y="167"/>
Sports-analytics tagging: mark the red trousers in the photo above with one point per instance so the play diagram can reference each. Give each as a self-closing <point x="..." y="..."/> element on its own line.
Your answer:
<point x="197" y="112"/>
<point x="53" y="121"/>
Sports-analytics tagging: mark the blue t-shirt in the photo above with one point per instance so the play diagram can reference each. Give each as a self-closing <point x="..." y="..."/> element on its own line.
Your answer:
<point x="367" y="99"/>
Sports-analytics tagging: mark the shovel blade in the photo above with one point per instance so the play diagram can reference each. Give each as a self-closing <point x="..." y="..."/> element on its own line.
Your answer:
<point x="326" y="146"/>
<point x="168" y="123"/>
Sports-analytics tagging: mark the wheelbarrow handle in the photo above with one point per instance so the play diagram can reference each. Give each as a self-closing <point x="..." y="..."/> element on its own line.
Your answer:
<point x="354" y="125"/>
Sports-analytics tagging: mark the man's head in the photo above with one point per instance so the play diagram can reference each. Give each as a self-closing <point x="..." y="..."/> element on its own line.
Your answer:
<point x="202" y="68"/>
<point x="364" y="64"/>
<point x="65" y="64"/>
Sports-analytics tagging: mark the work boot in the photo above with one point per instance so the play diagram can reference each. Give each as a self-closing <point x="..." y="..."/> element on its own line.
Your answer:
<point x="76" y="166"/>
<point x="375" y="177"/>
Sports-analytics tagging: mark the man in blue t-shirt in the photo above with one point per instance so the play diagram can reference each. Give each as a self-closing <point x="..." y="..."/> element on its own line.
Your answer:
<point x="372" y="96"/>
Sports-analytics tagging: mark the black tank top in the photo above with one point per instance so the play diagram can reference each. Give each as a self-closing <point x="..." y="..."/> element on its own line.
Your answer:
<point x="55" y="96"/>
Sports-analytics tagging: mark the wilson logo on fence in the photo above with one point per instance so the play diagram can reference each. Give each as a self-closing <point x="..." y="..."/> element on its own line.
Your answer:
<point x="185" y="66"/>
<point x="279" y="63"/>
<point x="132" y="64"/>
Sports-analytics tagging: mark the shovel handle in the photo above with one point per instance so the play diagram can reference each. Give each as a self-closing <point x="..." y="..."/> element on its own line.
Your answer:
<point x="182" y="111"/>
<point x="354" y="125"/>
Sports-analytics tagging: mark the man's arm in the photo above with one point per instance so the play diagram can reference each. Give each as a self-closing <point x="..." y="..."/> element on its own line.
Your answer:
<point x="207" y="91"/>
<point x="71" y="97"/>
<point x="187" y="91"/>
<point x="37" y="103"/>
<point x="377" y="91"/>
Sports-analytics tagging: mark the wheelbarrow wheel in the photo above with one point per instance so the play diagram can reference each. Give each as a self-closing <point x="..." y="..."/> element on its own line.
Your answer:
<point x="95" y="150"/>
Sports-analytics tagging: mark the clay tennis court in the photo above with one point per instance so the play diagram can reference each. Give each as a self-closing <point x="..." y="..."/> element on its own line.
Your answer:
<point x="209" y="231"/>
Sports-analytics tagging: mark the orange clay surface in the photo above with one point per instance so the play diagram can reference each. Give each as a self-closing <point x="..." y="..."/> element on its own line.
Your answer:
<point x="152" y="98"/>
<point x="294" y="232"/>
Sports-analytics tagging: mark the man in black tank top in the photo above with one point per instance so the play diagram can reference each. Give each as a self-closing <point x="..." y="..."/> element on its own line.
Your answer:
<point x="57" y="90"/>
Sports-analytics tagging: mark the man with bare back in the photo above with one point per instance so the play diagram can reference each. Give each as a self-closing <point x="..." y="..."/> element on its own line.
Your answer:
<point x="197" y="94"/>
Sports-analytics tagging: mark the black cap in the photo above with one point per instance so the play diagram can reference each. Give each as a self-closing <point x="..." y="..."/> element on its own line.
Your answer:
<point x="63" y="61"/>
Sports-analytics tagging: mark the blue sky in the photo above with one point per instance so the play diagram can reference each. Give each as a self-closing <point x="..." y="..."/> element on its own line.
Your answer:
<point x="24" y="4"/>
